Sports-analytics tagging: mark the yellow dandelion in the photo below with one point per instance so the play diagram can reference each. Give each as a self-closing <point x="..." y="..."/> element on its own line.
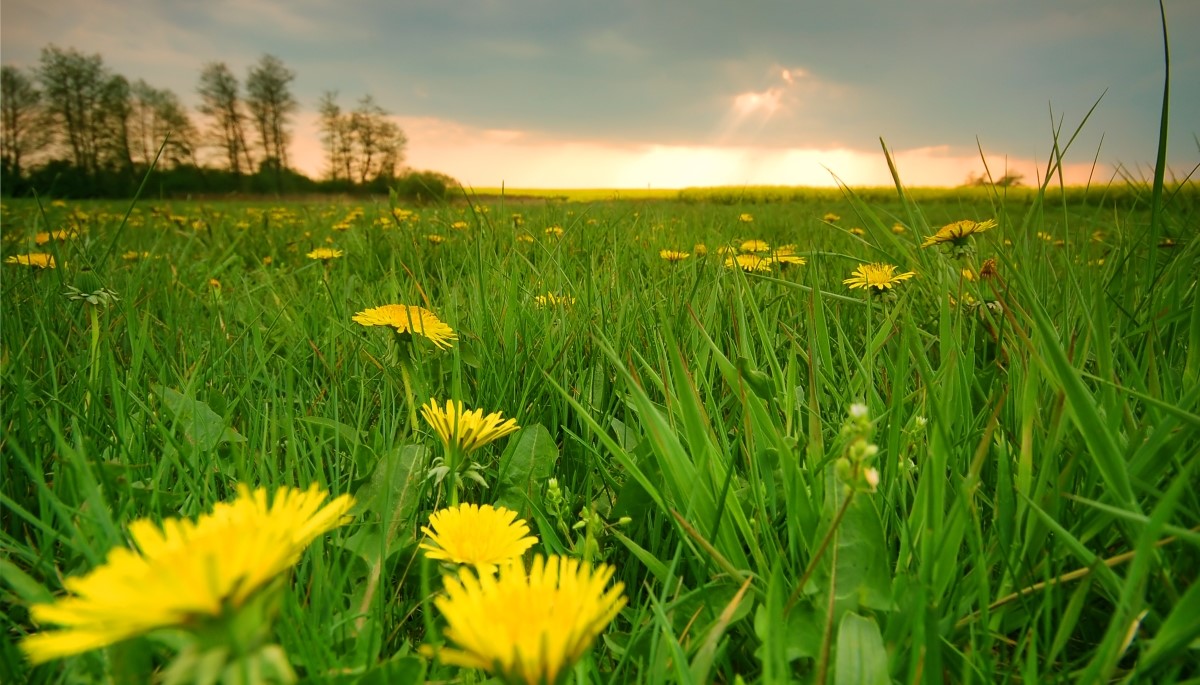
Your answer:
<point x="214" y="284"/>
<point x="673" y="255"/>
<point x="481" y="536"/>
<point x="184" y="573"/>
<point x="459" y="225"/>
<point x="700" y="249"/>
<point x="958" y="232"/>
<point x="409" y="319"/>
<point x="342" y="226"/>
<point x="268" y="260"/>
<point x="518" y="220"/>
<point x="324" y="254"/>
<point x="786" y="254"/>
<point x="748" y="262"/>
<point x="58" y="203"/>
<point x="754" y="246"/>
<point x="467" y="430"/>
<point x="877" y="276"/>
<point x="39" y="260"/>
<point x="134" y="255"/>
<point x="857" y="231"/>
<point x="898" y="228"/>
<point x="968" y="274"/>
<point x="527" y="627"/>
<point x="435" y="238"/>
<point x="554" y="231"/>
<point x="61" y="235"/>
<point x="832" y="218"/>
<point x="746" y="218"/>
<point x="524" y="238"/>
<point x="553" y="300"/>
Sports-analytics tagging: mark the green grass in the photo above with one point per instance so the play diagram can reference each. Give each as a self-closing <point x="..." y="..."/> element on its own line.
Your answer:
<point x="1038" y="432"/>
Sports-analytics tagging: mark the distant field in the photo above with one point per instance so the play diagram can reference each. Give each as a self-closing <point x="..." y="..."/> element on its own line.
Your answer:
<point x="977" y="465"/>
<point x="1122" y="193"/>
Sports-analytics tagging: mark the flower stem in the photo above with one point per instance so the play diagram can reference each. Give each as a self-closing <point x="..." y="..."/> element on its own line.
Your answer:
<point x="409" y="398"/>
<point x="93" y="367"/>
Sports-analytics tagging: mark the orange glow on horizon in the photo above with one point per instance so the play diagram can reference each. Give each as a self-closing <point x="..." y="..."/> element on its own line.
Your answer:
<point x="493" y="157"/>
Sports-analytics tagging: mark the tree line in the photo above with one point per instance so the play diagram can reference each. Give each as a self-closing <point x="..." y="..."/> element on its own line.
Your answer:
<point x="71" y="127"/>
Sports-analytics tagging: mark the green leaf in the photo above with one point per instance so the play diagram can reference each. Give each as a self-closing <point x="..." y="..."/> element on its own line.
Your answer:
<point x="348" y="434"/>
<point x="394" y="490"/>
<point x="864" y="579"/>
<point x="861" y="656"/>
<point x="28" y="589"/>
<point x="409" y="670"/>
<point x="799" y="635"/>
<point x="202" y="427"/>
<point x="1179" y="632"/>
<point x="528" y="462"/>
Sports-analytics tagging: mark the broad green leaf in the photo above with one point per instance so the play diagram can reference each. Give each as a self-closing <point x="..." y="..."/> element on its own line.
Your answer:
<point x="202" y="427"/>
<point x="524" y="466"/>
<point x="394" y="490"/>
<point x="861" y="656"/>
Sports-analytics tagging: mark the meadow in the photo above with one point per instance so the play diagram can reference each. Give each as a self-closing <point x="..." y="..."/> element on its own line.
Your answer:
<point x="976" y="467"/>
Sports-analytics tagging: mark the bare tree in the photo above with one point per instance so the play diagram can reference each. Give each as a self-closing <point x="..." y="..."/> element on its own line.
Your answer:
<point x="331" y="119"/>
<point x="113" y="124"/>
<point x="23" y="131"/>
<point x="157" y="113"/>
<point x="270" y="101"/>
<point x="73" y="87"/>
<point x="378" y="142"/>
<point x="221" y="101"/>
<point x="392" y="142"/>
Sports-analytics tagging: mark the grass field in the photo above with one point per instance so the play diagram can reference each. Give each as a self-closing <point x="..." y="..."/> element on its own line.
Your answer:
<point x="983" y="473"/>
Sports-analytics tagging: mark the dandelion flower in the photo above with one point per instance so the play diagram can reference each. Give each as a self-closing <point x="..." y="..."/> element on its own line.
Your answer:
<point x="898" y="228"/>
<point x="830" y="217"/>
<point x="754" y="246"/>
<point x="435" y="238"/>
<point x="40" y="260"/>
<point x="183" y="572"/>
<point x="468" y="430"/>
<point x="134" y="255"/>
<point x="958" y="232"/>
<point x="554" y="232"/>
<point x="60" y="235"/>
<point x="786" y="254"/>
<point x="524" y="238"/>
<point x="700" y="249"/>
<point x="746" y="218"/>
<point x="748" y="262"/>
<point x="459" y="225"/>
<point x="877" y="276"/>
<point x="673" y="255"/>
<point x="857" y="231"/>
<point x="324" y="254"/>
<point x="552" y="300"/>
<point x="527" y="627"/>
<point x="481" y="536"/>
<point x="409" y="319"/>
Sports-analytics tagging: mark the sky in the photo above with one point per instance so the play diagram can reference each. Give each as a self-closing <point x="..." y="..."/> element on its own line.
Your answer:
<point x="678" y="93"/>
